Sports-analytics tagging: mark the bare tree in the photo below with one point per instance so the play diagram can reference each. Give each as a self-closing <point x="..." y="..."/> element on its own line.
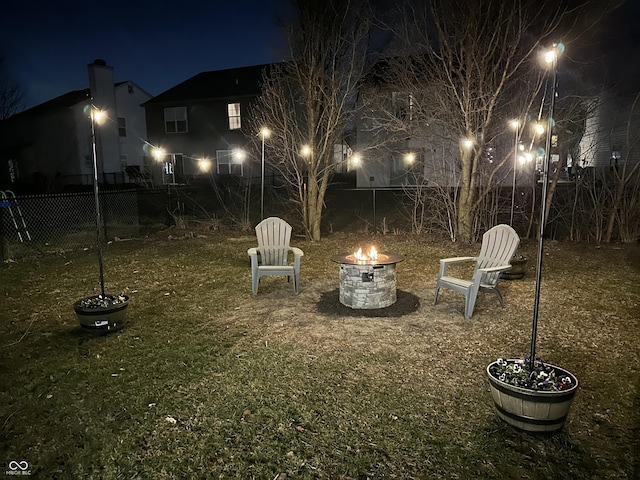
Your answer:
<point x="308" y="102"/>
<point x="476" y="64"/>
<point x="572" y="115"/>
<point x="624" y="174"/>
<point x="11" y="94"/>
<point x="605" y="198"/>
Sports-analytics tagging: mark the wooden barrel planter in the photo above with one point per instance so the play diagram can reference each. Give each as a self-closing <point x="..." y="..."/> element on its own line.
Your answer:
<point x="99" y="314"/>
<point x="532" y="410"/>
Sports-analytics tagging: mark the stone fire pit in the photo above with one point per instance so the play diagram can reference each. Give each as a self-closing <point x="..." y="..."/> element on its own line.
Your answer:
<point x="367" y="281"/>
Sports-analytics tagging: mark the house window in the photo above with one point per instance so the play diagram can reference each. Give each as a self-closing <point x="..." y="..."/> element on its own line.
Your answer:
<point x="234" y="116"/>
<point x="13" y="170"/>
<point x="178" y="164"/>
<point x="402" y="105"/>
<point x="410" y="107"/>
<point x="489" y="153"/>
<point x="614" y="161"/>
<point x="130" y="88"/>
<point x="122" y="127"/>
<point x="406" y="168"/>
<point x="173" y="168"/>
<point x="175" y="120"/>
<point x="616" y="152"/>
<point x="227" y="163"/>
<point x="123" y="163"/>
<point x="147" y="166"/>
<point x="398" y="170"/>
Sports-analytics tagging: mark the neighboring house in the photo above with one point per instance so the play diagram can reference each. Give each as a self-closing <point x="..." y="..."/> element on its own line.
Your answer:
<point x="401" y="144"/>
<point x="612" y="133"/>
<point x="397" y="146"/>
<point x="198" y="126"/>
<point x="401" y="147"/>
<point x="49" y="147"/>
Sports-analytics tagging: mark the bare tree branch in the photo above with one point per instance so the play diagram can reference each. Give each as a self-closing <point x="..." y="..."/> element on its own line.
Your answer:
<point x="310" y="100"/>
<point x="11" y="95"/>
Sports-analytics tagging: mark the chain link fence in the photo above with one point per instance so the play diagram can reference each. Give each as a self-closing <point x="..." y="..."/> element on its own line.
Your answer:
<point x="56" y="223"/>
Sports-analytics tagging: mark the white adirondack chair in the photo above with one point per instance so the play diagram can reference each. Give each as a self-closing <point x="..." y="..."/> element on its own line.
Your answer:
<point x="498" y="246"/>
<point x="271" y="257"/>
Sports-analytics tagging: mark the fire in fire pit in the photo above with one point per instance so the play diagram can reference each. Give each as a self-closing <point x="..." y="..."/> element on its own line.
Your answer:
<point x="367" y="280"/>
<point x="366" y="257"/>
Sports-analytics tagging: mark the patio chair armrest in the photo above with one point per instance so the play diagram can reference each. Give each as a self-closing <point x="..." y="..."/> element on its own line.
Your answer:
<point x="499" y="268"/>
<point x="481" y="272"/>
<point x="253" y="255"/>
<point x="458" y="259"/>
<point x="444" y="262"/>
<point x="297" y="255"/>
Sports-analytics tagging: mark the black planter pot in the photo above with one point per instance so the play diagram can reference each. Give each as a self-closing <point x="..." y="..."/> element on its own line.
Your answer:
<point x="517" y="270"/>
<point x="102" y="314"/>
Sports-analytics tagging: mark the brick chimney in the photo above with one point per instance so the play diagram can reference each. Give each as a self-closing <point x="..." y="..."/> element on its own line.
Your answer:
<point x="103" y="95"/>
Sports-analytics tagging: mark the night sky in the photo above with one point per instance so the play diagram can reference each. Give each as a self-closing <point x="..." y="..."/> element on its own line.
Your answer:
<point x="158" y="44"/>
<point x="154" y="43"/>
<point x="606" y="44"/>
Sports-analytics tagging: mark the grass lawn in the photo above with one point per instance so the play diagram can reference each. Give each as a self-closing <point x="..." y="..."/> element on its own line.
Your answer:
<point x="207" y="381"/>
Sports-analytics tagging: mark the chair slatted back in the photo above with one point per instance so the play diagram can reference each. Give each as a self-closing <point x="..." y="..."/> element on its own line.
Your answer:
<point x="498" y="246"/>
<point x="273" y="235"/>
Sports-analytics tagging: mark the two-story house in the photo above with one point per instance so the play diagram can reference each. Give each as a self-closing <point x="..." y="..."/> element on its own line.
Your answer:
<point x="612" y="132"/>
<point x="400" y="145"/>
<point x="198" y="127"/>
<point x="49" y="146"/>
<point x="396" y="140"/>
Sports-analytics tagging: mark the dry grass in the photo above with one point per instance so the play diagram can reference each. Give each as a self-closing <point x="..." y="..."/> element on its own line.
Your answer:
<point x="208" y="381"/>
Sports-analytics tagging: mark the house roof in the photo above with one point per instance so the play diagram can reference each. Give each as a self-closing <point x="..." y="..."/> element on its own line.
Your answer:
<point x="63" y="101"/>
<point x="117" y="85"/>
<point x="66" y="100"/>
<point x="234" y="82"/>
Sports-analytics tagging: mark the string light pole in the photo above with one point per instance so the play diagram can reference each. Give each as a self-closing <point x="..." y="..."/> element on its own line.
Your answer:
<point x="516" y="127"/>
<point x="102" y="312"/>
<point x="97" y="116"/>
<point x="551" y="58"/>
<point x="264" y="132"/>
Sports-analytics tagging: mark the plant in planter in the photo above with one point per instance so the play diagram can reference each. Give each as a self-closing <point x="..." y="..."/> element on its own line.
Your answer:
<point x="541" y="376"/>
<point x="103" y="312"/>
<point x="530" y="394"/>
<point x="534" y="397"/>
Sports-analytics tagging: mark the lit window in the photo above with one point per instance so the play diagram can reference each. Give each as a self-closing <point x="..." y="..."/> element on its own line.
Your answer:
<point x="410" y="107"/>
<point x="172" y="168"/>
<point x="227" y="163"/>
<point x="234" y="116"/>
<point x="122" y="127"/>
<point x="175" y="120"/>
